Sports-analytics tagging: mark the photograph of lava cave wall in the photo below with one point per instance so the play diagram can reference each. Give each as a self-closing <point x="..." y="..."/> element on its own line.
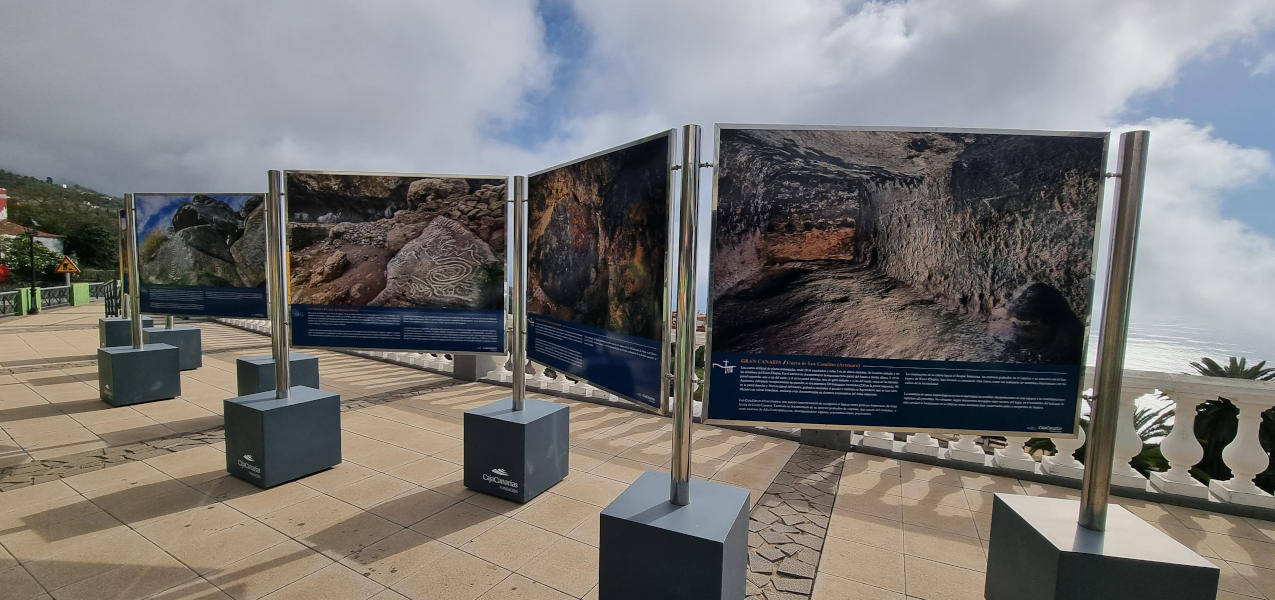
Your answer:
<point x="914" y="280"/>
<point x="597" y="264"/>
<point x="202" y="254"/>
<point x="396" y="261"/>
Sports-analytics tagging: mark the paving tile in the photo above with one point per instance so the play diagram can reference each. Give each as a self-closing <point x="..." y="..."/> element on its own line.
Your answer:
<point x="17" y="584"/>
<point x="558" y="514"/>
<point x="832" y="587"/>
<point x="517" y="587"/>
<point x="593" y="489"/>
<point x="945" y="547"/>
<point x="87" y="558"/>
<point x="309" y="516"/>
<point x="588" y="531"/>
<point x="510" y="544"/>
<point x="937" y="581"/>
<point x="191" y="524"/>
<point x="566" y="565"/>
<point x="413" y="506"/>
<point x="208" y="552"/>
<point x="142" y="575"/>
<point x="423" y="471"/>
<point x="192" y="466"/>
<point x="455" y="576"/>
<point x="458" y="524"/>
<point x="395" y="557"/>
<point x="337" y="477"/>
<point x="269" y="570"/>
<point x="866" y="564"/>
<point x="867" y="529"/>
<point x="197" y="589"/>
<point x="372" y="491"/>
<point x="333" y="582"/>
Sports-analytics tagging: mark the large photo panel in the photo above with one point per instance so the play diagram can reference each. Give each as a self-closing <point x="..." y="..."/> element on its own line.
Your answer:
<point x="397" y="262"/>
<point x="202" y="254"/>
<point x="935" y="280"/>
<point x="597" y="264"/>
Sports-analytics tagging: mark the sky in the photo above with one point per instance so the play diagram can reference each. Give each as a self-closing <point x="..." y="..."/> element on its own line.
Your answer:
<point x="180" y="94"/>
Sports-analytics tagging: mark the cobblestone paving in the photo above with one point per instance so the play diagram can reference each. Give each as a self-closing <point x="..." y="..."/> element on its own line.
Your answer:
<point x="788" y="526"/>
<point x="49" y="469"/>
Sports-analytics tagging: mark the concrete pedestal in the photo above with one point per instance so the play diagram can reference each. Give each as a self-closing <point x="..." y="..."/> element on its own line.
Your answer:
<point x="271" y="441"/>
<point x="651" y="548"/>
<point x="128" y="375"/>
<point x="1038" y="551"/>
<point x="516" y="455"/>
<point x="255" y="374"/>
<point x="117" y="331"/>
<point x="187" y="339"/>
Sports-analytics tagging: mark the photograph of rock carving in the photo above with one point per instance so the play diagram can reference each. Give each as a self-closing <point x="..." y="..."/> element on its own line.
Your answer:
<point x="201" y="239"/>
<point x="391" y="240"/>
<point x="902" y="245"/>
<point x="597" y="240"/>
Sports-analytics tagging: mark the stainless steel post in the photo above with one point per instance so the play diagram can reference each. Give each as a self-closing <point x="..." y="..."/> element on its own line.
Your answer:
<point x="134" y="276"/>
<point x="168" y="321"/>
<point x="277" y="273"/>
<point x="684" y="349"/>
<point x="518" y="346"/>
<point x="122" y="248"/>
<point x="1100" y="448"/>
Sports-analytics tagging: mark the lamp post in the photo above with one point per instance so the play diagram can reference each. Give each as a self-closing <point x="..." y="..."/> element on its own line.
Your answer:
<point x="35" y="304"/>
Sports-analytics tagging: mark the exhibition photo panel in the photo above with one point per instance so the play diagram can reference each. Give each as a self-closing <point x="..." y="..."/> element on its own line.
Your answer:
<point x="397" y="261"/>
<point x="202" y="254"/>
<point x="902" y="279"/>
<point x="597" y="264"/>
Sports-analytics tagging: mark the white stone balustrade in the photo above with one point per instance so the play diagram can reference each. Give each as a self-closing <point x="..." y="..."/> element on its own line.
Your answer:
<point x="1013" y="456"/>
<point x="1181" y="448"/>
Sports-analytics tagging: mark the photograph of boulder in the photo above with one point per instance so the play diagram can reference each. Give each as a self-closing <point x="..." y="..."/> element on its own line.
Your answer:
<point x="211" y="240"/>
<point x="905" y="245"/>
<point x="396" y="240"/>
<point x="597" y="240"/>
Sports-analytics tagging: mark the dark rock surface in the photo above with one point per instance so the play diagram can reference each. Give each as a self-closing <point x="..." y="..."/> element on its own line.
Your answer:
<point x="208" y="243"/>
<point x="598" y="238"/>
<point x="373" y="239"/>
<point x="963" y="222"/>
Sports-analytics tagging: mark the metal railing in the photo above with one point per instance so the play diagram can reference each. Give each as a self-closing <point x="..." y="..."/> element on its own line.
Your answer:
<point x="8" y="303"/>
<point x="98" y="290"/>
<point x="55" y="296"/>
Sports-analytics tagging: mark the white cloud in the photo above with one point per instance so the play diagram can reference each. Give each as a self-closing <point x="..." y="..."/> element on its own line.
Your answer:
<point x="1195" y="266"/>
<point x="1265" y="65"/>
<point x="175" y="96"/>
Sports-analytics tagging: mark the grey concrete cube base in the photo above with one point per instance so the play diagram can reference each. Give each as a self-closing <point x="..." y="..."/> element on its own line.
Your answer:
<point x="270" y="441"/>
<point x="255" y="374"/>
<point x="516" y="455"/>
<point x="187" y="339"/>
<point x="1038" y="551"/>
<point x="118" y="331"/>
<point x="128" y="375"/>
<point x="651" y="548"/>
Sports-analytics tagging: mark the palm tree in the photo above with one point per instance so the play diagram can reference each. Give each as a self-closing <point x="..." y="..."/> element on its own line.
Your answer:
<point x="1237" y="369"/>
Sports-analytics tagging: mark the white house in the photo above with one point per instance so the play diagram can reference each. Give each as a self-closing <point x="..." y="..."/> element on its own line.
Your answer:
<point x="52" y="241"/>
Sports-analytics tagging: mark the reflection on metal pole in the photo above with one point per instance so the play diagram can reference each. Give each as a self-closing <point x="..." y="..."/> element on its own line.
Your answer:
<point x="134" y="276"/>
<point x="122" y="249"/>
<point x="684" y="344"/>
<point x="518" y="347"/>
<point x="277" y="275"/>
<point x="1100" y="447"/>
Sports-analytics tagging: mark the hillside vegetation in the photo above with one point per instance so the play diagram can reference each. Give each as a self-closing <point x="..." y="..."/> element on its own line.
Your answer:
<point x="86" y="217"/>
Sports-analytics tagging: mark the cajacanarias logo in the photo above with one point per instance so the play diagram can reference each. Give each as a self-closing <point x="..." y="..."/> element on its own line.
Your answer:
<point x="245" y="463"/>
<point x="500" y="478"/>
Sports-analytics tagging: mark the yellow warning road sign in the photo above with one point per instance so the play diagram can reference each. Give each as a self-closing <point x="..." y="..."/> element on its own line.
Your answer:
<point x="66" y="265"/>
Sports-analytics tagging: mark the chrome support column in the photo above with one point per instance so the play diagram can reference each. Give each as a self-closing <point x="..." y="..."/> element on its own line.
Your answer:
<point x="684" y="349"/>
<point x="134" y="277"/>
<point x="277" y="276"/>
<point x="518" y="345"/>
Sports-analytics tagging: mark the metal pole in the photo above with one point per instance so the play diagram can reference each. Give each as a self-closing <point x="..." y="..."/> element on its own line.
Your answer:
<point x="1115" y="327"/>
<point x="134" y="275"/>
<point x="168" y="321"/>
<point x="518" y="351"/>
<point x="35" y="305"/>
<point x="277" y="274"/>
<point x="684" y="349"/>
<point x="120" y="249"/>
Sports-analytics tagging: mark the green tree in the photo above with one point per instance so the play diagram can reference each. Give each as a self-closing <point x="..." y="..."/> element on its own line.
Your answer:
<point x="1237" y="369"/>
<point x="94" y="244"/>
<point x="15" y="252"/>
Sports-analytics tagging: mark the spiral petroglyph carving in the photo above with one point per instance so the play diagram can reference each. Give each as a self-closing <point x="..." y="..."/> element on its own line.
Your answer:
<point x="446" y="266"/>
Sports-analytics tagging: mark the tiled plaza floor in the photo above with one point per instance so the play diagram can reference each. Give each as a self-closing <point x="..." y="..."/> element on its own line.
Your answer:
<point x="134" y="502"/>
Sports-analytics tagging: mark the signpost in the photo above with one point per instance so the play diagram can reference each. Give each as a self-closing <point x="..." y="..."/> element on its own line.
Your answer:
<point x="66" y="266"/>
